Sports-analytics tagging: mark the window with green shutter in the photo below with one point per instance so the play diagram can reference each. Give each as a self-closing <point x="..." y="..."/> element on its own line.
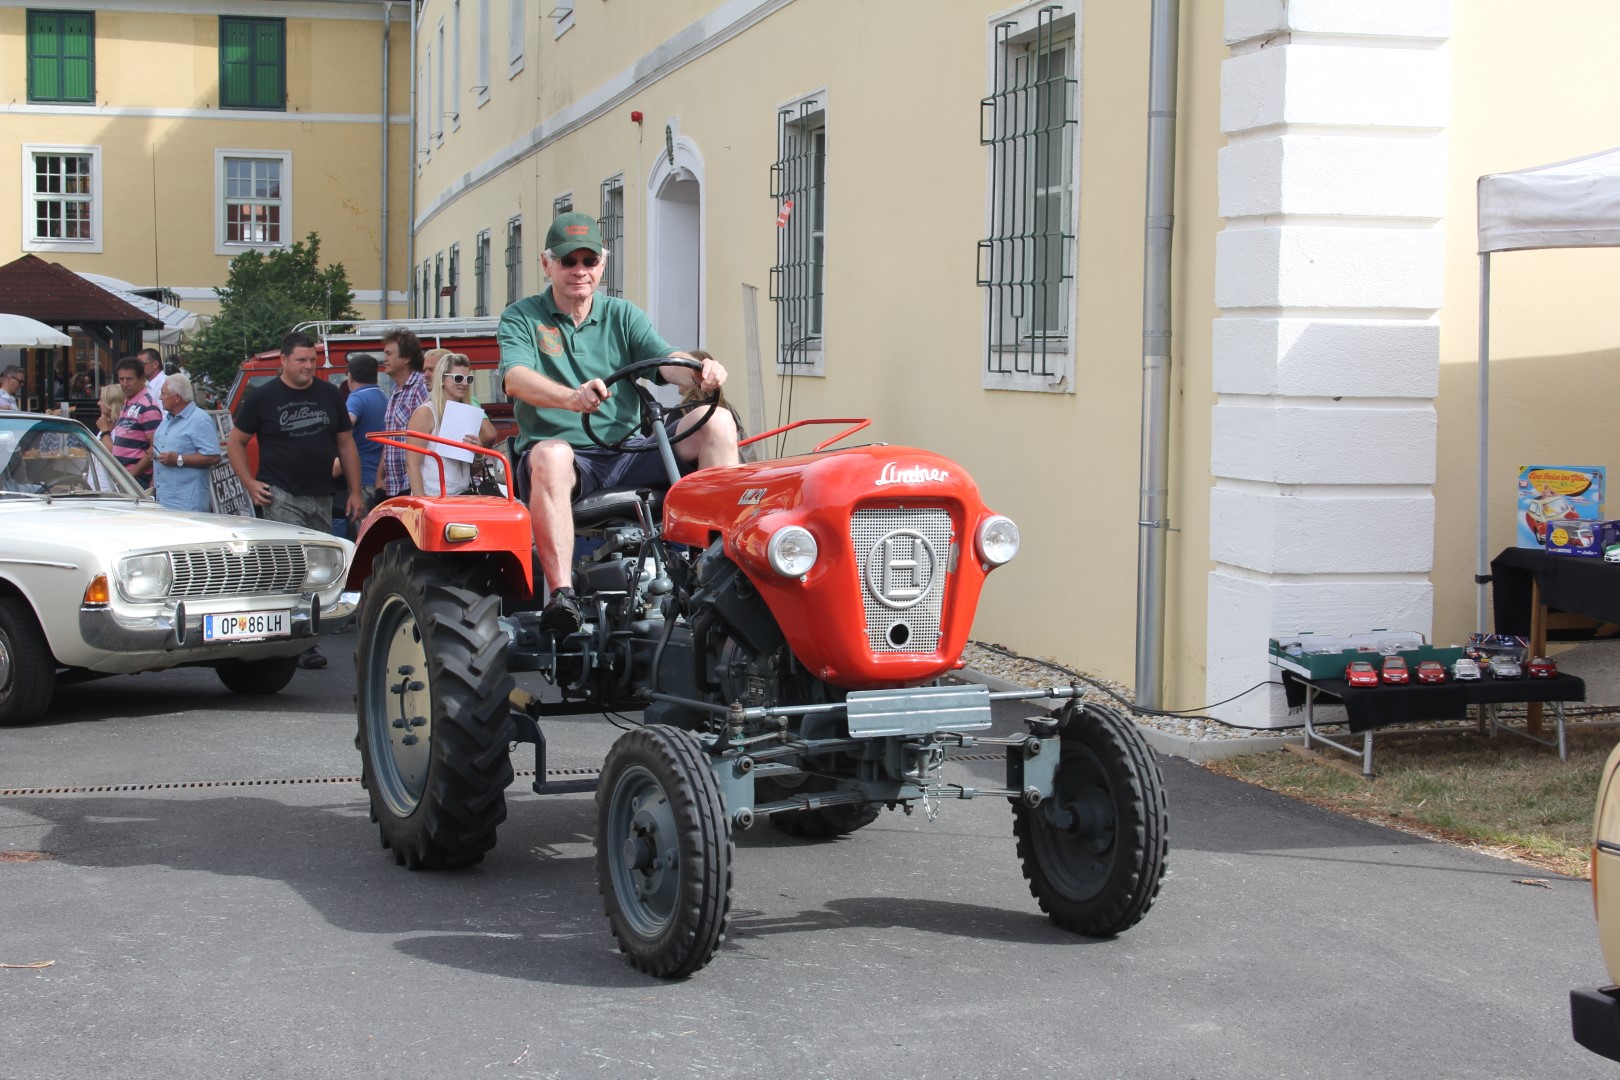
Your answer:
<point x="62" y="56"/>
<point x="252" y="63"/>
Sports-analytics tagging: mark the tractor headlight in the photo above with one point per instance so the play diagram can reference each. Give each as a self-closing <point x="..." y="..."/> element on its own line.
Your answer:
<point x="792" y="551"/>
<point x="145" y="578"/>
<point x="998" y="540"/>
<point x="322" y="565"/>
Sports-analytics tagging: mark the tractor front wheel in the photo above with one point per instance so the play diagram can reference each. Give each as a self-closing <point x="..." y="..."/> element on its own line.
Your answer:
<point x="663" y="851"/>
<point x="1094" y="853"/>
<point x="431" y="694"/>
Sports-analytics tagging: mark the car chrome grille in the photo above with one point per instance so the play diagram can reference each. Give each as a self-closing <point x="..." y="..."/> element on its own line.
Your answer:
<point x="904" y="556"/>
<point x="237" y="570"/>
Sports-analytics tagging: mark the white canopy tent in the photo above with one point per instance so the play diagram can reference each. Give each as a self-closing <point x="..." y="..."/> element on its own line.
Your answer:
<point x="1567" y="204"/>
<point x="177" y="321"/>
<point x="21" y="332"/>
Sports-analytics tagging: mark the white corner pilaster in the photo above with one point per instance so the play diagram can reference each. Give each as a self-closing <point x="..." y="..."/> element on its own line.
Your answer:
<point x="1328" y="276"/>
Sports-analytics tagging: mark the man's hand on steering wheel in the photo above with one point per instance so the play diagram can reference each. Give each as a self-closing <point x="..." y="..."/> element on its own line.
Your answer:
<point x="588" y="396"/>
<point x="650" y="406"/>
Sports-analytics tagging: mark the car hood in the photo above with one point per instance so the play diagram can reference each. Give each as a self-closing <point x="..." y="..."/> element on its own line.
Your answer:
<point x="109" y="525"/>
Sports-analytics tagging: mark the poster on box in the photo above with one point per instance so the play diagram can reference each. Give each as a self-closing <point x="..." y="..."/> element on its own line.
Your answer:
<point x="1551" y="493"/>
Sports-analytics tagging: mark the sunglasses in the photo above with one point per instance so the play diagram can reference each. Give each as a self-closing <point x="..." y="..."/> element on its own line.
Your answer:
<point x="459" y="379"/>
<point x="587" y="261"/>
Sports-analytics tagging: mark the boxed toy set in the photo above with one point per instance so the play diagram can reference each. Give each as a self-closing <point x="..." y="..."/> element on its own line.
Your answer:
<point x="1550" y="495"/>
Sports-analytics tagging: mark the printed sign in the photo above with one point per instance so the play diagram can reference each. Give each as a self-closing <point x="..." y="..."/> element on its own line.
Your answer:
<point x="230" y="497"/>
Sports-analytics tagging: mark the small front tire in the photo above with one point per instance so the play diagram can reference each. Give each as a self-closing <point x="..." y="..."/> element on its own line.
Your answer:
<point x="663" y="851"/>
<point x="27" y="669"/>
<point x="1094" y="854"/>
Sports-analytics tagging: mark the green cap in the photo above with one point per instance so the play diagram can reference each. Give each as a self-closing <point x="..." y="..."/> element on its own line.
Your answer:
<point x="570" y="232"/>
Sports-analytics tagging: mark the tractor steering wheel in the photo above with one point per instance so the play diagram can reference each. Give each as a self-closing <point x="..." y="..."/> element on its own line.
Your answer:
<point x="652" y="410"/>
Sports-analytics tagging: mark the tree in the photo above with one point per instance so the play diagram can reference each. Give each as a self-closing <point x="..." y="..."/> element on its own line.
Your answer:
<point x="265" y="295"/>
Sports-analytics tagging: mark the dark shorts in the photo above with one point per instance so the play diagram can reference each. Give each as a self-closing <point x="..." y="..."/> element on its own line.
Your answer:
<point x="596" y="469"/>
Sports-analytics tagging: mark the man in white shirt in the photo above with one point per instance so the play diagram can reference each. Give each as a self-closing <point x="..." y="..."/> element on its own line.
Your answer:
<point x="155" y="374"/>
<point x="11" y="383"/>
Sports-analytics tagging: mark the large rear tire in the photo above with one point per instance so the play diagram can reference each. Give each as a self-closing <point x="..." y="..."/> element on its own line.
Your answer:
<point x="432" y="693"/>
<point x="27" y="669"/>
<point x="1094" y="854"/>
<point x="663" y="851"/>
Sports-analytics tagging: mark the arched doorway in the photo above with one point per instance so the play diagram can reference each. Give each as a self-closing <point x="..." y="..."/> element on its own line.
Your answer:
<point x="675" y="286"/>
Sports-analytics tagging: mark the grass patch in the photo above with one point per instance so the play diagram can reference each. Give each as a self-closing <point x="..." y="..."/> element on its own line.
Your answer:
<point x="1503" y="795"/>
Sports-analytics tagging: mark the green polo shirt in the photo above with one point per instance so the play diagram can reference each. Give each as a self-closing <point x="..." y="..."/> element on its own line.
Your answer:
<point x="534" y="334"/>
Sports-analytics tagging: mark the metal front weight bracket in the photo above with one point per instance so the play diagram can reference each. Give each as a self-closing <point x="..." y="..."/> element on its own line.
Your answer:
<point x="1032" y="762"/>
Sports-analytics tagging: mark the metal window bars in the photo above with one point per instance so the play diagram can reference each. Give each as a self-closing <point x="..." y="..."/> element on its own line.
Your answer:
<point x="799" y="184"/>
<point x="481" y="274"/>
<point x="514" y="260"/>
<point x="612" y="226"/>
<point x="562" y="204"/>
<point x="452" y="280"/>
<point x="438" y="285"/>
<point x="1029" y="124"/>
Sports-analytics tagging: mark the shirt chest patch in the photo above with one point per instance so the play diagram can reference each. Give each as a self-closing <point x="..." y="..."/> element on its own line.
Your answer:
<point x="550" y="339"/>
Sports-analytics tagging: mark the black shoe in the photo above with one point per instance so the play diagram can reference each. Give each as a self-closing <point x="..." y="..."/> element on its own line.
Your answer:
<point x="561" y="613"/>
<point x="311" y="659"/>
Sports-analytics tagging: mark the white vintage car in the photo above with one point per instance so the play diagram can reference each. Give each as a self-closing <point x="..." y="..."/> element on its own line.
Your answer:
<point x="1595" y="1011"/>
<point x="96" y="577"/>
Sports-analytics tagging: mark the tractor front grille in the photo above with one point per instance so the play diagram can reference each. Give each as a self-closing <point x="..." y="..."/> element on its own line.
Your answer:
<point x="237" y="570"/>
<point x="904" y="555"/>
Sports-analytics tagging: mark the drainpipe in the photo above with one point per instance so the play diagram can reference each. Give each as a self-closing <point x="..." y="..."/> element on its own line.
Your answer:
<point x="388" y="20"/>
<point x="410" y="176"/>
<point x="1153" y="522"/>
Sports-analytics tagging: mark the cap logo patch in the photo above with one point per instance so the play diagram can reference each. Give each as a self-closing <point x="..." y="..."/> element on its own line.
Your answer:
<point x="578" y="230"/>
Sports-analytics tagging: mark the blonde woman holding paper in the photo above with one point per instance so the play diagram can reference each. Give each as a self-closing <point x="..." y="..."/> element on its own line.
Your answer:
<point x="449" y="412"/>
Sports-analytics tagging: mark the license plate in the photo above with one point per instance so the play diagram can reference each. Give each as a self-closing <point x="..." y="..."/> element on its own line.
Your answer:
<point x="246" y="624"/>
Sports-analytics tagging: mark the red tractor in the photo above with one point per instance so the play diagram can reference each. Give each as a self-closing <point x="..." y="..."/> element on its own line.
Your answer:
<point x="788" y="629"/>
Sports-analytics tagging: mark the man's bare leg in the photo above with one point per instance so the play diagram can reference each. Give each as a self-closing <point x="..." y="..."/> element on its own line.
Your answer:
<point x="551" y="482"/>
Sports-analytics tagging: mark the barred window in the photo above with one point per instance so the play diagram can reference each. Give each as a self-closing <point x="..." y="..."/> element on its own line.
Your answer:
<point x="612" y="225"/>
<point x="438" y="285"/>
<point x="562" y="204"/>
<point x="799" y="186"/>
<point x="62" y="56"/>
<point x="1026" y="264"/>
<point x="514" y="260"/>
<point x="452" y="281"/>
<point x="481" y="274"/>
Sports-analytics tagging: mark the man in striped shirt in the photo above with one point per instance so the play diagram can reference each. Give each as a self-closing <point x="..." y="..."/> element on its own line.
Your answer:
<point x="130" y="439"/>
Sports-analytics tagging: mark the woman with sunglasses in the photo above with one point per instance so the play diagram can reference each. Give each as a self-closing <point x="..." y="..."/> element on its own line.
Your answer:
<point x="452" y="382"/>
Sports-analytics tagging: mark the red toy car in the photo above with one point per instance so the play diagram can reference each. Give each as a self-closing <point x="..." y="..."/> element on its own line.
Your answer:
<point x="1396" y="671"/>
<point x="1431" y="671"/>
<point x="1540" y="667"/>
<point x="1361" y="673"/>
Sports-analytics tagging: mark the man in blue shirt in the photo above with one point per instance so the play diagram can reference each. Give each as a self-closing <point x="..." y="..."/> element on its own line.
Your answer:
<point x="185" y="449"/>
<point x="366" y="404"/>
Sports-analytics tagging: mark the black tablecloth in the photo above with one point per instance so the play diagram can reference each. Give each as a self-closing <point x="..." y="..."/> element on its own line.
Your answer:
<point x="1368" y="707"/>
<point x="1582" y="584"/>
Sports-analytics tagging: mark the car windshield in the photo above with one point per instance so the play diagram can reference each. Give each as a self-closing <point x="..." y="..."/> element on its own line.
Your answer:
<point x="53" y="457"/>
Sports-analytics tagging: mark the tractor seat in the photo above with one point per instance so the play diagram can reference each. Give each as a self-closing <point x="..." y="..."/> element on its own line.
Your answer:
<point x="613" y="504"/>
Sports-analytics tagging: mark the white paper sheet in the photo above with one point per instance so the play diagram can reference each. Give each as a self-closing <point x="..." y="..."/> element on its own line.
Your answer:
<point x="458" y="422"/>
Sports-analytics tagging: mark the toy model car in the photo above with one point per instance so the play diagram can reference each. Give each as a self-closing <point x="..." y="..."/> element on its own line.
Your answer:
<point x="1465" y="670"/>
<point x="1505" y="667"/>
<point x="97" y="578"/>
<point x="1396" y="671"/>
<point x="1431" y="671"/>
<point x="1595" y="1012"/>
<point x="1361" y="673"/>
<point x="1540" y="667"/>
<point x="1546" y="508"/>
<point x="786" y="629"/>
<point x="1611" y="553"/>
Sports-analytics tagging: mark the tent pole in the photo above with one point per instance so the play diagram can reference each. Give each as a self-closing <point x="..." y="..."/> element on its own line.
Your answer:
<point x="1482" y="569"/>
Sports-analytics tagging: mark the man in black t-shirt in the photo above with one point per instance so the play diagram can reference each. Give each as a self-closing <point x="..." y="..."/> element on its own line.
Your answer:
<point x="301" y="424"/>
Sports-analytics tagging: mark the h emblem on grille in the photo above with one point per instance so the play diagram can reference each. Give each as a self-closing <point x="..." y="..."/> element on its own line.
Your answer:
<point x="900" y="569"/>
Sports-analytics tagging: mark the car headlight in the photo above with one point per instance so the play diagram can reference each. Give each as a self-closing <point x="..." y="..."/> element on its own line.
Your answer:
<point x="998" y="540"/>
<point x="145" y="577"/>
<point x="322" y="565"/>
<point x="792" y="551"/>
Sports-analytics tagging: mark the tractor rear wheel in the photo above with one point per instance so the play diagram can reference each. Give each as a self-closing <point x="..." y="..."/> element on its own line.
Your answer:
<point x="663" y="851"/>
<point x="1094" y="853"/>
<point x="431" y="695"/>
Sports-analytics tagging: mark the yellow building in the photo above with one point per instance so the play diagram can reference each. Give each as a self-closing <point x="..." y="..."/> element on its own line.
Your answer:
<point x="151" y="142"/>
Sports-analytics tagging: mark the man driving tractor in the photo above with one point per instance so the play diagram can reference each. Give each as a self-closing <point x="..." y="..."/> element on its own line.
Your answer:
<point x="556" y="349"/>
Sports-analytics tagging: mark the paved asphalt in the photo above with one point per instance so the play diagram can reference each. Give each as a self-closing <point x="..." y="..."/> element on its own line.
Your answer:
<point x="258" y="930"/>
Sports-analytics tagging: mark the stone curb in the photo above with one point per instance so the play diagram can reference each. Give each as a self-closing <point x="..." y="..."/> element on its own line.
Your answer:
<point x="1165" y="742"/>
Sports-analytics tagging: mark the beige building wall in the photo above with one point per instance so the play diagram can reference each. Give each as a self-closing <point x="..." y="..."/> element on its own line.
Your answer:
<point x="158" y="125"/>
<point x="1525" y="92"/>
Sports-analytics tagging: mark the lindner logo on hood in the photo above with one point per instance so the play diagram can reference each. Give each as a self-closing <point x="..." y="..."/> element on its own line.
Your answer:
<point x="912" y="474"/>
